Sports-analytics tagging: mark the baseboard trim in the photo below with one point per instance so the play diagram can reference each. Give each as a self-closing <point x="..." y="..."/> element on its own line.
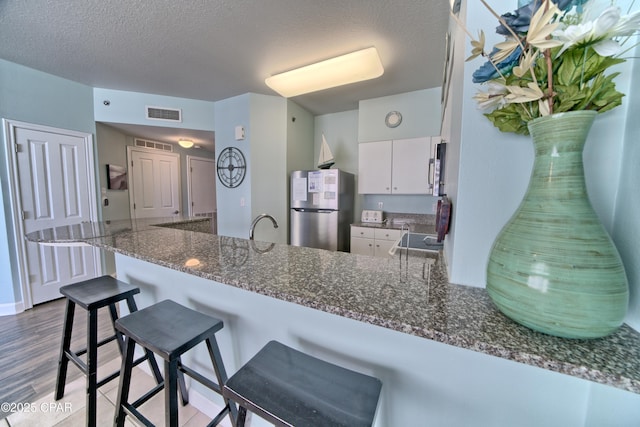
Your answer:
<point x="9" y="309"/>
<point x="207" y="407"/>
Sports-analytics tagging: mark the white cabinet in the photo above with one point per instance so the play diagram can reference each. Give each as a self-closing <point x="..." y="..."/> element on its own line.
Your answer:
<point x="373" y="241"/>
<point x="394" y="167"/>
<point x="362" y="240"/>
<point x="374" y="167"/>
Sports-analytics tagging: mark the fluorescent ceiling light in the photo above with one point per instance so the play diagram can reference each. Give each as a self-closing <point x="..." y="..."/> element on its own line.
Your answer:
<point x="185" y="143"/>
<point x="350" y="68"/>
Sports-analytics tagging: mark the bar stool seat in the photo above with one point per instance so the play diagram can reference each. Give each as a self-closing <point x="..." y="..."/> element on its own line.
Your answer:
<point x="169" y="330"/>
<point x="92" y="295"/>
<point x="290" y="388"/>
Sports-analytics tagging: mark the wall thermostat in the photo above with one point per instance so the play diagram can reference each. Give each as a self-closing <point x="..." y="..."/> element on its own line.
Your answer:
<point x="239" y="133"/>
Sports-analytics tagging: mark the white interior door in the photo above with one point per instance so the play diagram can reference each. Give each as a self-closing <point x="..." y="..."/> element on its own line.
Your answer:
<point x="154" y="183"/>
<point x="202" y="186"/>
<point x="55" y="179"/>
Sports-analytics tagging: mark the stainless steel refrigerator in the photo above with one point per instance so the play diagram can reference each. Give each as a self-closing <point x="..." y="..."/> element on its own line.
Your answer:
<point x="321" y="208"/>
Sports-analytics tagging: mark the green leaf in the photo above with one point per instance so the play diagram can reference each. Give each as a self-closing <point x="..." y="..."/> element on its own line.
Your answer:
<point x="578" y="66"/>
<point x="511" y="118"/>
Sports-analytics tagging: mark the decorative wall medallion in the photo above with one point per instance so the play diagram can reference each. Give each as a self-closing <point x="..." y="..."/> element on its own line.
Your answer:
<point x="393" y="119"/>
<point x="232" y="167"/>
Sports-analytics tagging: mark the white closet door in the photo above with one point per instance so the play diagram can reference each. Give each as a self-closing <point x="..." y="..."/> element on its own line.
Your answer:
<point x="54" y="191"/>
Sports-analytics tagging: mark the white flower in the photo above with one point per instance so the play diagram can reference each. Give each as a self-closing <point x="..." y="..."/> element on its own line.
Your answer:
<point x="493" y="97"/>
<point x="519" y="94"/>
<point x="599" y="31"/>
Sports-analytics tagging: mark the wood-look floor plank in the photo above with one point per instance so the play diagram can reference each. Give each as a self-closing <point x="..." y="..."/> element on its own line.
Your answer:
<point x="30" y="346"/>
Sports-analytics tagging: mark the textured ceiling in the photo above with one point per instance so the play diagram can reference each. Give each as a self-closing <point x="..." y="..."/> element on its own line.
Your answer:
<point x="216" y="49"/>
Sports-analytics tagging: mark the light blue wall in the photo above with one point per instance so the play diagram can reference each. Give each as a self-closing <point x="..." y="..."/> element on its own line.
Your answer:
<point x="341" y="133"/>
<point x="495" y="167"/>
<point x="130" y="107"/>
<point x="300" y="138"/>
<point x="112" y="149"/>
<point x="420" y="115"/>
<point x="425" y="383"/>
<point x="269" y="192"/>
<point x="626" y="231"/>
<point x="344" y="130"/>
<point x="34" y="97"/>
<point x="234" y="219"/>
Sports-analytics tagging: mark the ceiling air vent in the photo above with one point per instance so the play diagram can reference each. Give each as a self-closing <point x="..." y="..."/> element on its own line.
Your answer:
<point x="154" y="145"/>
<point x="166" y="114"/>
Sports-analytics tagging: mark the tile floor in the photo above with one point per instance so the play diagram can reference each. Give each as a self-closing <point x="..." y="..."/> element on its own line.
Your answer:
<point x="70" y="411"/>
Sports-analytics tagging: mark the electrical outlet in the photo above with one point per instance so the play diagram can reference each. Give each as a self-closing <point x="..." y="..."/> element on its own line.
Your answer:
<point x="380" y="205"/>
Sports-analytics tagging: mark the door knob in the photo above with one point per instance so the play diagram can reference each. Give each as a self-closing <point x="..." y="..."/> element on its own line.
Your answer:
<point x="176" y="212"/>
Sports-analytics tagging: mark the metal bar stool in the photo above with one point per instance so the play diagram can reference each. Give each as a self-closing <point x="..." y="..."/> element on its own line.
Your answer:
<point x="289" y="388"/>
<point x="92" y="295"/>
<point x="169" y="330"/>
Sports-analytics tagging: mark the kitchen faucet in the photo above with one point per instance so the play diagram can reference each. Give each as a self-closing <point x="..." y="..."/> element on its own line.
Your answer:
<point x="257" y="219"/>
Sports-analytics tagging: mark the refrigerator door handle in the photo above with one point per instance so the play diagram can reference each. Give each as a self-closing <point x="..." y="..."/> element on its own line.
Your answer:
<point x="313" y="210"/>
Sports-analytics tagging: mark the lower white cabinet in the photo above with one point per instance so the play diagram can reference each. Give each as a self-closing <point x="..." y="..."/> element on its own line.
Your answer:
<point x="373" y="241"/>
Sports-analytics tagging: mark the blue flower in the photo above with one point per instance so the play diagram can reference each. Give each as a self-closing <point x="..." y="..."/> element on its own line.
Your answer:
<point x="488" y="71"/>
<point x="519" y="20"/>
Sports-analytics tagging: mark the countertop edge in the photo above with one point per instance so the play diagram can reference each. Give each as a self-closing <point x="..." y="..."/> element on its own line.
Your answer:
<point x="526" y="358"/>
<point x="594" y="374"/>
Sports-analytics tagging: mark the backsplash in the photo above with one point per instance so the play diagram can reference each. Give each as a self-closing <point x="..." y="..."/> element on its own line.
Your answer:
<point x="409" y="218"/>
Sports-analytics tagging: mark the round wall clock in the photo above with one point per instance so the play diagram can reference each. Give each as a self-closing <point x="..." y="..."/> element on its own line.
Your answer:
<point x="393" y="119"/>
<point x="231" y="167"/>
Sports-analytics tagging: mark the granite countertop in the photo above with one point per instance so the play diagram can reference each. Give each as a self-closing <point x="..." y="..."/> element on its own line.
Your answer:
<point x="411" y="297"/>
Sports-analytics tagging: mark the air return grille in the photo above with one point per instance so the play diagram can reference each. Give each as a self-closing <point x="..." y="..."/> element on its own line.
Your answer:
<point x="167" y="114"/>
<point x="154" y="145"/>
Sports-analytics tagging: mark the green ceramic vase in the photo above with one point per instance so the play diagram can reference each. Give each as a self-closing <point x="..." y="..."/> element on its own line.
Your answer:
<point x="553" y="267"/>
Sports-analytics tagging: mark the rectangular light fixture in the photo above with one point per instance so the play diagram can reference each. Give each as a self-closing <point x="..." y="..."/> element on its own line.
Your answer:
<point x="350" y="68"/>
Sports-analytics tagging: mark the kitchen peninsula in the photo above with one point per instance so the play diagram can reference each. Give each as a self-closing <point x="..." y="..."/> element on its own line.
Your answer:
<point x="445" y="355"/>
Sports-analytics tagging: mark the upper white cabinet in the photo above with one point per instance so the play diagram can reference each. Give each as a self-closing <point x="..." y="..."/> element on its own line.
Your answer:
<point x="400" y="166"/>
<point x="374" y="167"/>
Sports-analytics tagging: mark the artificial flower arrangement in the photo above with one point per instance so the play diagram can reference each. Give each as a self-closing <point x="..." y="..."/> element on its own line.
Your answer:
<point x="553" y="59"/>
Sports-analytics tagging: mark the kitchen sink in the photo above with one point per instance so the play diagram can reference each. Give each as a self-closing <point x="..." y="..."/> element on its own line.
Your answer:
<point x="417" y="242"/>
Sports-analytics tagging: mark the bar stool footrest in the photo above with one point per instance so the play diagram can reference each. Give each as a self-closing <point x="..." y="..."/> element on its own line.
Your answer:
<point x="148" y="395"/>
<point x="132" y="411"/>
<point x="98" y="345"/>
<point x="201" y="379"/>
